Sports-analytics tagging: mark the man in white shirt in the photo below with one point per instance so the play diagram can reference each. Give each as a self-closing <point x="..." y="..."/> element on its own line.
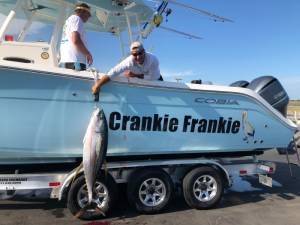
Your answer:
<point x="140" y="64"/>
<point x="73" y="50"/>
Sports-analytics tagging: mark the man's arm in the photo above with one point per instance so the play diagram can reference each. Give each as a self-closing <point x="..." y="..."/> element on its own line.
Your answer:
<point x="129" y="73"/>
<point x="121" y="67"/>
<point x="98" y="84"/>
<point x="154" y="70"/>
<point x="76" y="39"/>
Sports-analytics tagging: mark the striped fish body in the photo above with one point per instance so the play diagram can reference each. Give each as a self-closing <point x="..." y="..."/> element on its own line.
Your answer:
<point x="94" y="149"/>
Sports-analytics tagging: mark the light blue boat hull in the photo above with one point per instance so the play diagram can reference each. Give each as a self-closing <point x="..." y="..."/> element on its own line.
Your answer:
<point x="43" y="118"/>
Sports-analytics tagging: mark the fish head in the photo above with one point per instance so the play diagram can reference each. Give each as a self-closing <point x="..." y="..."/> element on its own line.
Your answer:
<point x="100" y="122"/>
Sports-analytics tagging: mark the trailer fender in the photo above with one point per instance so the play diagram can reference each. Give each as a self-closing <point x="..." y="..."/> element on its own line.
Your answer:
<point x="67" y="181"/>
<point x="222" y="170"/>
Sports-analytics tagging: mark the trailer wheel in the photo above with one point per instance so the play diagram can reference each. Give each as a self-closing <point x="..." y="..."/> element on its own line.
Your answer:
<point x="149" y="190"/>
<point x="203" y="188"/>
<point x="105" y="196"/>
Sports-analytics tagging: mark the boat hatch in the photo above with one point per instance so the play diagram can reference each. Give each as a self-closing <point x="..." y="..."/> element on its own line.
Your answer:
<point x="17" y="59"/>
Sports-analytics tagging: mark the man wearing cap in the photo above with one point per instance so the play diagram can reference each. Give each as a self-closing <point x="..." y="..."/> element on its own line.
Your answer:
<point x="73" y="51"/>
<point x="140" y="64"/>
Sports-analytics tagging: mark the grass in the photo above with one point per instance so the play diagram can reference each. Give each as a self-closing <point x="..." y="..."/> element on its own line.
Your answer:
<point x="294" y="108"/>
<point x="294" y="105"/>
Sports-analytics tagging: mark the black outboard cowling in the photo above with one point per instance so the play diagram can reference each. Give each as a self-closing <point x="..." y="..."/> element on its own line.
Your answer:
<point x="196" y="82"/>
<point x="240" y="83"/>
<point x="272" y="91"/>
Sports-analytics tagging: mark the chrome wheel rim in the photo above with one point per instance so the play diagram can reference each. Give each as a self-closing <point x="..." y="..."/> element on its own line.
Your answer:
<point x="205" y="188"/>
<point x="100" y="196"/>
<point x="152" y="192"/>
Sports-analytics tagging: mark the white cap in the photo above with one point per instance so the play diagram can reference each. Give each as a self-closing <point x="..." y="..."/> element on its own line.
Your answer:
<point x="84" y="7"/>
<point x="136" y="46"/>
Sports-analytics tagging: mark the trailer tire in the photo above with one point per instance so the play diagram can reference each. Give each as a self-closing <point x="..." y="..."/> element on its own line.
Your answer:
<point x="149" y="190"/>
<point x="77" y="198"/>
<point x="203" y="188"/>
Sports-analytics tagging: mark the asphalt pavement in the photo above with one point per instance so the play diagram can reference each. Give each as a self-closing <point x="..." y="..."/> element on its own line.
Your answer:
<point x="246" y="203"/>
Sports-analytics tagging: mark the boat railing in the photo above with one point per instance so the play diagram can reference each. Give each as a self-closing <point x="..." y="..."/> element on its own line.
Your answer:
<point x="294" y="116"/>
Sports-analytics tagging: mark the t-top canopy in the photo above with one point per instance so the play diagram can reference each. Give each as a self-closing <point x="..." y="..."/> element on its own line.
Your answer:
<point x="107" y="15"/>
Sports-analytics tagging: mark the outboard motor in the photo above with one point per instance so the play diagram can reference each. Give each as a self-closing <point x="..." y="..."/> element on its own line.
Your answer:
<point x="272" y="91"/>
<point x="240" y="83"/>
<point x="196" y="82"/>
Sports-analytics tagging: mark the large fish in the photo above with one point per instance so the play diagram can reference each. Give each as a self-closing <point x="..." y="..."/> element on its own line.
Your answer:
<point x="94" y="149"/>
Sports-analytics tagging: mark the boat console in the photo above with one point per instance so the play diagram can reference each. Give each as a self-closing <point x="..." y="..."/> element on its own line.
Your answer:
<point x="40" y="53"/>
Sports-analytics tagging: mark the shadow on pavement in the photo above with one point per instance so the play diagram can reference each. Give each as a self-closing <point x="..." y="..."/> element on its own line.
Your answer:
<point x="286" y="188"/>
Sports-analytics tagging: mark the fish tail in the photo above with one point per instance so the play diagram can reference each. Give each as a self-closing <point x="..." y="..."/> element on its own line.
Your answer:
<point x="79" y="213"/>
<point x="100" y="211"/>
<point x="90" y="197"/>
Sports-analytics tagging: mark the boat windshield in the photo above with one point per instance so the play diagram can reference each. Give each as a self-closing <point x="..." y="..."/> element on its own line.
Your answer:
<point x="25" y="28"/>
<point x="38" y="25"/>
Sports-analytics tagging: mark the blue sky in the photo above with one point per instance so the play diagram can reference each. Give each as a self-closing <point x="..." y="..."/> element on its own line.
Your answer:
<point x="264" y="39"/>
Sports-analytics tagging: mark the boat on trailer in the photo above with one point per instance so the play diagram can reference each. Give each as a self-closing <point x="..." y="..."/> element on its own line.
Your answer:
<point x="45" y="109"/>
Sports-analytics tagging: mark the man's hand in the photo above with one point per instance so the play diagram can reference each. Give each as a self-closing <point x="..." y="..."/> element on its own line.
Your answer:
<point x="76" y="39"/>
<point x="97" y="85"/>
<point x="89" y="59"/>
<point x="129" y="73"/>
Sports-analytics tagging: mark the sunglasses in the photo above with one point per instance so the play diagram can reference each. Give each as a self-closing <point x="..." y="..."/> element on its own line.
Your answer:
<point x="87" y="13"/>
<point x="137" y="53"/>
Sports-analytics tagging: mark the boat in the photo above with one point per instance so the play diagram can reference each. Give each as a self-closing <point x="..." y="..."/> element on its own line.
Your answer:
<point x="45" y="109"/>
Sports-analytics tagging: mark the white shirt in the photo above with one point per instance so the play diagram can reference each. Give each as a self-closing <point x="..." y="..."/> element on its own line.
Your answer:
<point x="68" y="51"/>
<point x="150" y="67"/>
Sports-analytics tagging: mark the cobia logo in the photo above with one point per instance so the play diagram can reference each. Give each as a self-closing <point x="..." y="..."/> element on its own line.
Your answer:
<point x="217" y="101"/>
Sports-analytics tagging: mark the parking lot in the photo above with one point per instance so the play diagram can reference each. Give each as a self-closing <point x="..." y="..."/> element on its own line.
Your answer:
<point x="247" y="202"/>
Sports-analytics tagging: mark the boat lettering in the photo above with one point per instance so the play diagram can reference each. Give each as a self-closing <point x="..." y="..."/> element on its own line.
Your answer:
<point x="217" y="101"/>
<point x="12" y="180"/>
<point x="144" y="123"/>
<point x="166" y="123"/>
<point x="211" y="126"/>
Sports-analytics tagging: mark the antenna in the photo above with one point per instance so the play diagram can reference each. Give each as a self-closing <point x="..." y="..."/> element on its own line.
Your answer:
<point x="215" y="17"/>
<point x="190" y="36"/>
<point x="178" y="79"/>
<point x="202" y="12"/>
<point x="157" y="19"/>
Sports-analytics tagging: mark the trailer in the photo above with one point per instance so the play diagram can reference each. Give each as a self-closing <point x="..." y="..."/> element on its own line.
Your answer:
<point x="150" y="183"/>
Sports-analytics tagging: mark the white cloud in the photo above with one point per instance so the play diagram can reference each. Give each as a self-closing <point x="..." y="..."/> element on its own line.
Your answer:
<point x="186" y="76"/>
<point x="290" y="83"/>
